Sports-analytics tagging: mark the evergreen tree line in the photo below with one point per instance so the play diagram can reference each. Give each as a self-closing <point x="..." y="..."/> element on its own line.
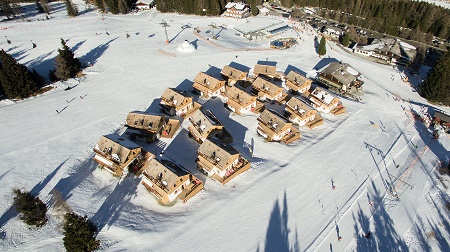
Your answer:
<point x="403" y="18"/>
<point x="114" y="6"/>
<point x="199" y="7"/>
<point x="17" y="81"/>
<point x="436" y="87"/>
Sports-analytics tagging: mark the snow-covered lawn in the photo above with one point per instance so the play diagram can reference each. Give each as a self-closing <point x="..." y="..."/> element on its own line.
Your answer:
<point x="284" y="202"/>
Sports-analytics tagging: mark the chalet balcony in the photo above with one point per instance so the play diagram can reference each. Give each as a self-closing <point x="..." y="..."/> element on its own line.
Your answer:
<point x="291" y="136"/>
<point x="157" y="182"/>
<point x="242" y="166"/>
<point x="153" y="191"/>
<point x="192" y="189"/>
<point x="107" y="156"/>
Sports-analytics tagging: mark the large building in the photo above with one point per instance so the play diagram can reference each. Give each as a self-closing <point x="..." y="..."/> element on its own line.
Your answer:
<point x="237" y="10"/>
<point x="340" y="75"/>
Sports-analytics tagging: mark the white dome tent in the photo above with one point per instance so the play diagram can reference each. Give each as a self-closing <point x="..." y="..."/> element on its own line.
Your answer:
<point x="186" y="47"/>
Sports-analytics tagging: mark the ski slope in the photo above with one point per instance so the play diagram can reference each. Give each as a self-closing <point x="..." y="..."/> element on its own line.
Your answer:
<point x="284" y="202"/>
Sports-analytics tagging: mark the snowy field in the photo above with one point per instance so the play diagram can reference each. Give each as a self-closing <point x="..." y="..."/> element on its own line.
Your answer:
<point x="442" y="3"/>
<point x="284" y="202"/>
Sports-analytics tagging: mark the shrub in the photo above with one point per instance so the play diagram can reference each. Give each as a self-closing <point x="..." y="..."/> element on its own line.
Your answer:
<point x="32" y="209"/>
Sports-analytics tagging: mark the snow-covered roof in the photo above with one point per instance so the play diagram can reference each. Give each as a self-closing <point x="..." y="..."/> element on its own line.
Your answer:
<point x="257" y="24"/>
<point x="322" y="95"/>
<point x="205" y="120"/>
<point x="298" y="106"/>
<point x="164" y="171"/>
<point x="173" y="97"/>
<point x="238" y="6"/>
<point x="264" y="69"/>
<point x="264" y="10"/>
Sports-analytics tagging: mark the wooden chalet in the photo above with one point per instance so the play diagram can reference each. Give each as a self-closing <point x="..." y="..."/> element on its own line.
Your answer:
<point x="273" y="127"/>
<point x="301" y="114"/>
<point x="240" y="101"/>
<point x="177" y="103"/>
<point x="204" y="124"/>
<point x="237" y="10"/>
<point x="220" y="160"/>
<point x="167" y="181"/>
<point x="340" y="75"/>
<point x="297" y="82"/>
<point x="115" y="154"/>
<point x="233" y="75"/>
<point x="267" y="90"/>
<point x="208" y="86"/>
<point x="268" y="71"/>
<point x="324" y="101"/>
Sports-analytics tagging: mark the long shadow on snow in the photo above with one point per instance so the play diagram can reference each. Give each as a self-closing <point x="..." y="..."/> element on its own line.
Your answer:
<point x="236" y="129"/>
<point x="295" y="69"/>
<point x="75" y="178"/>
<point x="384" y="236"/>
<point x="324" y="62"/>
<point x="442" y="239"/>
<point x="183" y="151"/>
<point x="116" y="202"/>
<point x="239" y="67"/>
<point x="93" y="55"/>
<point x="42" y="64"/>
<point x="11" y="212"/>
<point x="277" y="235"/>
<point x="77" y="45"/>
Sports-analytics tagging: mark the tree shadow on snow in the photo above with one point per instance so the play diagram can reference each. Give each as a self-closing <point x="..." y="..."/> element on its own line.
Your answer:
<point x="116" y="202"/>
<point x="238" y="66"/>
<point x="384" y="236"/>
<point x="93" y="55"/>
<point x="36" y="190"/>
<point x="295" y="69"/>
<point x="323" y="62"/>
<point x="77" y="45"/>
<point x="42" y="64"/>
<point x="277" y="234"/>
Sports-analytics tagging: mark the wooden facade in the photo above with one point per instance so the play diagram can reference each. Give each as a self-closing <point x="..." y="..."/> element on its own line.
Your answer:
<point x="208" y="86"/>
<point x="267" y="90"/>
<point x="115" y="153"/>
<point x="273" y="127"/>
<point x="203" y="123"/>
<point x="240" y="101"/>
<point x="168" y="181"/>
<point x="268" y="71"/>
<point x="325" y="102"/>
<point x="233" y="75"/>
<point x="301" y="114"/>
<point x="177" y="103"/>
<point x="220" y="160"/>
<point x="297" y="82"/>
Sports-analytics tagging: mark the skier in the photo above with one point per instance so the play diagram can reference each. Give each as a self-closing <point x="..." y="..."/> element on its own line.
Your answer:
<point x="339" y="238"/>
<point x="367" y="235"/>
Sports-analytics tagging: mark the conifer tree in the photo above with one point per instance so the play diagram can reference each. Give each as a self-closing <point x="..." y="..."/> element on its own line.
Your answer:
<point x="46" y="7"/>
<point x="100" y="4"/>
<point x="7" y="9"/>
<point x="39" y="7"/>
<point x="346" y="39"/>
<point x="67" y="66"/>
<point x="31" y="208"/>
<point x="436" y="87"/>
<point x="16" y="80"/>
<point x="79" y="233"/>
<point x="71" y="8"/>
<point x="322" y="50"/>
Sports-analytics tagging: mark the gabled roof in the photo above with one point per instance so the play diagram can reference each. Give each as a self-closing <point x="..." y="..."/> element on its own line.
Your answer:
<point x="266" y="86"/>
<point x="296" y="78"/>
<point x="323" y="96"/>
<point x="298" y="106"/>
<point x="208" y="81"/>
<point x="117" y="146"/>
<point x="273" y="121"/>
<point x="141" y="120"/>
<point x="342" y="72"/>
<point x="165" y="171"/>
<point x="218" y="152"/>
<point x="232" y="73"/>
<point x="173" y="97"/>
<point x="240" y="96"/>
<point x="264" y="69"/>
<point x="205" y="120"/>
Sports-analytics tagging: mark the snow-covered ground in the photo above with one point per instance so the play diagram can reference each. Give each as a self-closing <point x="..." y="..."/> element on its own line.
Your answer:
<point x="284" y="202"/>
<point x="442" y="3"/>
